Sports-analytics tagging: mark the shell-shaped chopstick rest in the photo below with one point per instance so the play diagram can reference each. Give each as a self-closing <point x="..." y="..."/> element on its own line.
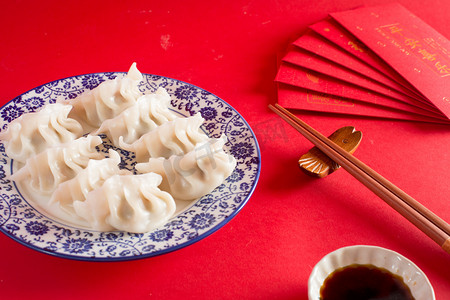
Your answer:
<point x="317" y="164"/>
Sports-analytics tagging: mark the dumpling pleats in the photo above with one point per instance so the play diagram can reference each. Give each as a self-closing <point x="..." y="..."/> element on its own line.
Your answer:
<point x="149" y="112"/>
<point x="93" y="176"/>
<point x="132" y="203"/>
<point x="43" y="172"/>
<point x="34" y="132"/>
<point x="176" y="137"/>
<point x="194" y="174"/>
<point x="107" y="100"/>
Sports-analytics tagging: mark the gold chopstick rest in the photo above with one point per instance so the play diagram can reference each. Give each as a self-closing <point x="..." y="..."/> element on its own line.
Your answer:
<point x="315" y="163"/>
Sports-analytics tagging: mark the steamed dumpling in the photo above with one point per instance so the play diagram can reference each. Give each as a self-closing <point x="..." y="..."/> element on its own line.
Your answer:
<point x="107" y="100"/>
<point x="132" y="203"/>
<point x="93" y="176"/>
<point x="146" y="114"/>
<point x="175" y="137"/>
<point x="194" y="174"/>
<point x="43" y="172"/>
<point x="34" y="132"/>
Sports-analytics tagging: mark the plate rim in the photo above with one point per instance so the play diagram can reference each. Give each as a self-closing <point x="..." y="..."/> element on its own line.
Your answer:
<point x="200" y="237"/>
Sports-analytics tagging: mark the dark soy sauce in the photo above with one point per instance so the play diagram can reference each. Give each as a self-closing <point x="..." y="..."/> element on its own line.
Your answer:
<point x="364" y="282"/>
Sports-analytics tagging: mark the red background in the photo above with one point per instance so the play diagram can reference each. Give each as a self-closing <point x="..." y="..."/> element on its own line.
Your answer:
<point x="230" y="49"/>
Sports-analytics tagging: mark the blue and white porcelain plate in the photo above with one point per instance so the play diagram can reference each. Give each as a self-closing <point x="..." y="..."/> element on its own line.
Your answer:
<point x="23" y="222"/>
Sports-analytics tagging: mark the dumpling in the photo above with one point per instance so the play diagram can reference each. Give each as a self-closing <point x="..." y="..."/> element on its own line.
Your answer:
<point x="107" y="100"/>
<point x="175" y="137"/>
<point x="93" y="176"/>
<point x="34" y="132"/>
<point x="132" y="203"/>
<point x="194" y="174"/>
<point x="43" y="172"/>
<point x="146" y="114"/>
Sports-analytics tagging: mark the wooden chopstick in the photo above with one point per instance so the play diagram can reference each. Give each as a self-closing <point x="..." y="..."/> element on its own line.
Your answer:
<point x="433" y="226"/>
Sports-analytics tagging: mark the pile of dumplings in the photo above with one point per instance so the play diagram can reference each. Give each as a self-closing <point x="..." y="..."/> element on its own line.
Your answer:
<point x="56" y="151"/>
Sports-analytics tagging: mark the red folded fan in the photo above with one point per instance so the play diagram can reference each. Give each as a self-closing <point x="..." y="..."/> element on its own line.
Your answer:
<point x="383" y="58"/>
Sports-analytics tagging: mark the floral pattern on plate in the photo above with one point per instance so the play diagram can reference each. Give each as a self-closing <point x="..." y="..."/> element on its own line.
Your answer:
<point x="27" y="225"/>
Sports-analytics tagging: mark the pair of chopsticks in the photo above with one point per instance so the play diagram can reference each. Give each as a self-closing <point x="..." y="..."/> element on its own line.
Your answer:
<point x="425" y="220"/>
